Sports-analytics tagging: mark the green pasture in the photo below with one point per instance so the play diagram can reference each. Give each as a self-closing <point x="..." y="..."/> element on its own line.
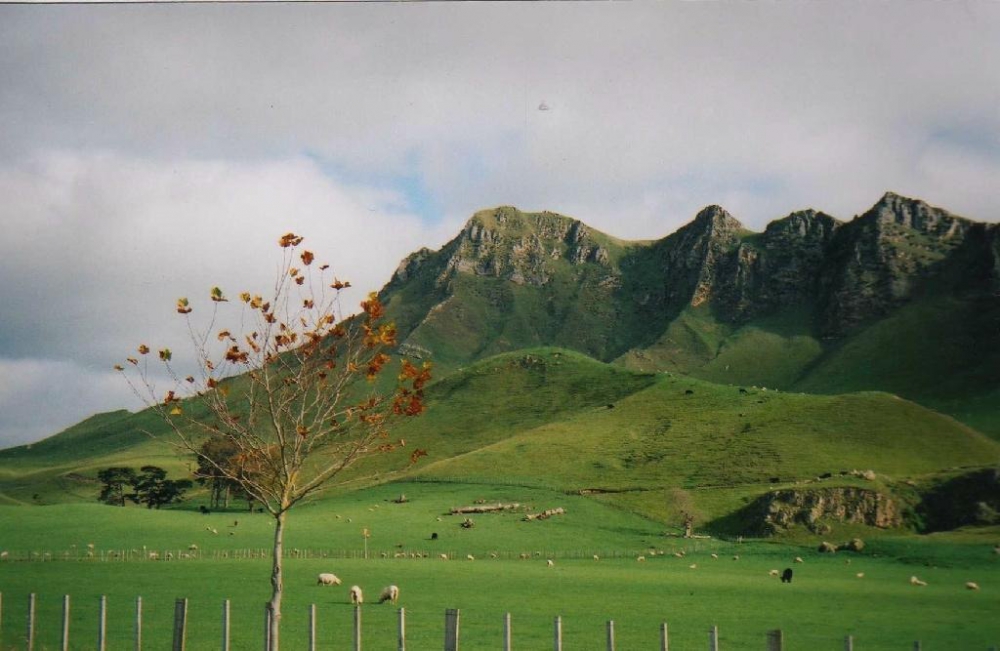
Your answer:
<point x="825" y="601"/>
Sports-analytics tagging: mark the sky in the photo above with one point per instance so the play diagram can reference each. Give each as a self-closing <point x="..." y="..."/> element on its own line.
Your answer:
<point x="152" y="151"/>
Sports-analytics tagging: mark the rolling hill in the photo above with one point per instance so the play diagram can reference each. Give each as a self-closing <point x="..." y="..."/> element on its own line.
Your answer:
<point x="697" y="374"/>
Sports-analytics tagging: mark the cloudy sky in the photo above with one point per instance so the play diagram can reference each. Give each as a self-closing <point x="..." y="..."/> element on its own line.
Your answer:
<point x="153" y="151"/>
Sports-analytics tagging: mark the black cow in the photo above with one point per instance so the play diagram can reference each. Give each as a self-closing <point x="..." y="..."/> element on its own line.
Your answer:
<point x="786" y="576"/>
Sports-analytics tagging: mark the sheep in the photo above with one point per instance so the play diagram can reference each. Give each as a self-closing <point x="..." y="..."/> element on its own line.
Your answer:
<point x="193" y="547"/>
<point x="915" y="581"/>
<point x="641" y="559"/>
<point x="3" y="555"/>
<point x="356" y="597"/>
<point x="798" y="559"/>
<point x="715" y="556"/>
<point x="326" y="578"/>
<point x="971" y="585"/>
<point x="444" y="557"/>
<point x="389" y="593"/>
<point x="596" y="557"/>
<point x="736" y="557"/>
<point x="693" y="566"/>
<point x="860" y="575"/>
<point x="470" y="557"/>
<point x="773" y="573"/>
<point x="549" y="563"/>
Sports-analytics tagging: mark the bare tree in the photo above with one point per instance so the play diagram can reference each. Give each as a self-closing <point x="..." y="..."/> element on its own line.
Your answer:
<point x="298" y="392"/>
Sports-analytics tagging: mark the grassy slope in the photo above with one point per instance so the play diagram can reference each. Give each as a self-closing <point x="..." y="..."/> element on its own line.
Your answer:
<point x="942" y="351"/>
<point x="557" y="419"/>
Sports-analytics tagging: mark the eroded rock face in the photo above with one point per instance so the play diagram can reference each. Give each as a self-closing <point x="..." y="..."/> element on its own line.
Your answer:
<point x="783" y="509"/>
<point x="505" y="243"/>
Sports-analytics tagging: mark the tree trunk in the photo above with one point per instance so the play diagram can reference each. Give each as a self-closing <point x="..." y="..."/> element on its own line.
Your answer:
<point x="277" y="585"/>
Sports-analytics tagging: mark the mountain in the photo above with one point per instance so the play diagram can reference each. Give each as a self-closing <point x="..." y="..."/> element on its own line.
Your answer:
<point x="903" y="298"/>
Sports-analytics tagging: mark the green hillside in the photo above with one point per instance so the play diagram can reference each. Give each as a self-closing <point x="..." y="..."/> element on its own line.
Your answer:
<point x="549" y="418"/>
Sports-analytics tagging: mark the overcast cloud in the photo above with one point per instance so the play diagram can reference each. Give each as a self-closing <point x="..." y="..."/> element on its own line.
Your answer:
<point x="153" y="151"/>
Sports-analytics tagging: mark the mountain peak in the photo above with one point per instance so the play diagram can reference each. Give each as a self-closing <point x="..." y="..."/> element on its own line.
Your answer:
<point x="716" y="218"/>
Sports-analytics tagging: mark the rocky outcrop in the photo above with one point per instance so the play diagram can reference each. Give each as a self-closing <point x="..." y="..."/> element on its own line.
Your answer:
<point x="880" y="259"/>
<point x="781" y="510"/>
<point x="519" y="247"/>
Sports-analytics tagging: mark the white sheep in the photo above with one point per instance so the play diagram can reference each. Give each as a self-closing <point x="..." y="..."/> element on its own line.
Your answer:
<point x="326" y="578"/>
<point x="798" y="559"/>
<point x="773" y="573"/>
<point x="971" y="585"/>
<point x="641" y="559"/>
<point x="389" y="593"/>
<point x="693" y="566"/>
<point x="715" y="556"/>
<point x="470" y="557"/>
<point x="444" y="557"/>
<point x="549" y="563"/>
<point x="356" y="597"/>
<point x="915" y="581"/>
<point x="860" y="575"/>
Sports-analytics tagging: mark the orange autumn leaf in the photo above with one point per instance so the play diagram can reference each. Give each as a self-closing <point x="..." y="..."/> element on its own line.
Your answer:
<point x="289" y="239"/>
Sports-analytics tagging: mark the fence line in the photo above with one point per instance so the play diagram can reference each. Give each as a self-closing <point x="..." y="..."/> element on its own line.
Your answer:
<point x="772" y="640"/>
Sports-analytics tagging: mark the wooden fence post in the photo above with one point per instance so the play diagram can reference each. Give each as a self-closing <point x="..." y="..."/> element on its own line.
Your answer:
<point x="775" y="640"/>
<point x="713" y="639"/>
<point x="357" y="627"/>
<point x="849" y="643"/>
<point x="506" y="632"/>
<point x="180" y="624"/>
<point x="451" y="629"/>
<point x="611" y="635"/>
<point x="65" y="623"/>
<point x="664" y="640"/>
<point x="138" y="624"/>
<point x="225" y="625"/>
<point x="30" y="634"/>
<point x="558" y="633"/>
<point x="102" y="624"/>
<point x="401" y="643"/>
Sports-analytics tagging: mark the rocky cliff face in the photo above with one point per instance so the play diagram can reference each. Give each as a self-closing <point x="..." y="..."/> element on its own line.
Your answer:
<point x="880" y="259"/>
<point x="506" y="243"/>
<point x="606" y="297"/>
<point x="781" y="510"/>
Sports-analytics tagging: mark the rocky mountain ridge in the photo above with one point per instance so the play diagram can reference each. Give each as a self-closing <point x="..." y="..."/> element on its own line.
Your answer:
<point x="511" y="280"/>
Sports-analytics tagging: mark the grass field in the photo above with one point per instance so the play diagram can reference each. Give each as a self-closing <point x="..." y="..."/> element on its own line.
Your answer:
<point x="825" y="602"/>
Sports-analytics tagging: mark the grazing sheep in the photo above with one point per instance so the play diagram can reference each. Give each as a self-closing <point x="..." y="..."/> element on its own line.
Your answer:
<point x="3" y="555"/>
<point x="389" y="593"/>
<point x="860" y="575"/>
<point x="715" y="556"/>
<point x="641" y="559"/>
<point x="470" y="557"/>
<point x="193" y="547"/>
<point x="444" y="557"/>
<point x="550" y="562"/>
<point x="798" y="559"/>
<point x="971" y="585"/>
<point x="596" y="557"/>
<point x="786" y="576"/>
<point x="736" y="557"/>
<point x="915" y="581"/>
<point x="693" y="566"/>
<point x="356" y="597"/>
<point x="679" y="554"/>
<point x="326" y="578"/>
<point x="773" y="573"/>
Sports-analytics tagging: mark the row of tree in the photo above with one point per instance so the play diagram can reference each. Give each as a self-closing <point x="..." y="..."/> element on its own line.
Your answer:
<point x="149" y="486"/>
<point x="218" y="461"/>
